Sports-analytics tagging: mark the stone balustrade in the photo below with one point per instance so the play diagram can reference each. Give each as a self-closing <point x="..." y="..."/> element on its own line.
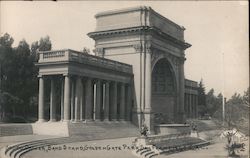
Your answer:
<point x="159" y="138"/>
<point x="80" y="57"/>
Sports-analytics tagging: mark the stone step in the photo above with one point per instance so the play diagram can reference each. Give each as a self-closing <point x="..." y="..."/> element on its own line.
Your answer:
<point x="144" y="151"/>
<point x="17" y="148"/>
<point x="22" y="152"/>
<point x="103" y="130"/>
<point x="185" y="146"/>
<point x="149" y="153"/>
<point x="15" y="129"/>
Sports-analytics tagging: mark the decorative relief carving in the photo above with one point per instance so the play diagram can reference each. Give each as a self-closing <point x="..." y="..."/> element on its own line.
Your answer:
<point x="157" y="53"/>
<point x="99" y="51"/>
<point x="141" y="48"/>
<point x="137" y="48"/>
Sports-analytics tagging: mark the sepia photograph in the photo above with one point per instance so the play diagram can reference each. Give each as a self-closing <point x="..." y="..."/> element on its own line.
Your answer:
<point x="127" y="79"/>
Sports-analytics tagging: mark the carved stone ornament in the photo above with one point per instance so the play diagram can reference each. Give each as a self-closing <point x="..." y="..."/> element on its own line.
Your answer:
<point x="99" y="51"/>
<point x="137" y="48"/>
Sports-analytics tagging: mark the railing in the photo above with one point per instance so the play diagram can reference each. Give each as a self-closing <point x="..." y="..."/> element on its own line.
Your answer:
<point x="54" y="54"/>
<point x="80" y="57"/>
<point x="159" y="138"/>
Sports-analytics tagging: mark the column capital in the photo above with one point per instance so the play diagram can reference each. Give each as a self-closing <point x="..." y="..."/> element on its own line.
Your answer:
<point x="106" y="81"/>
<point x="40" y="76"/>
<point x="182" y="60"/>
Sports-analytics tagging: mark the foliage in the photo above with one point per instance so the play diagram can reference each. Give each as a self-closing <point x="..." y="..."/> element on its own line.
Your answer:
<point x="236" y="112"/>
<point x="213" y="102"/>
<point x="245" y="97"/>
<point x="44" y="44"/>
<point x="202" y="99"/>
<point x="86" y="50"/>
<point x="18" y="76"/>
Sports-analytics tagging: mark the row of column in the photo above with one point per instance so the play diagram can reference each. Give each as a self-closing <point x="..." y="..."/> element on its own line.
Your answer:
<point x="87" y="99"/>
<point x="191" y="102"/>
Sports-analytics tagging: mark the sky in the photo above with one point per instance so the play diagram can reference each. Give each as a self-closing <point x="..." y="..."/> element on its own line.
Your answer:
<point x="217" y="30"/>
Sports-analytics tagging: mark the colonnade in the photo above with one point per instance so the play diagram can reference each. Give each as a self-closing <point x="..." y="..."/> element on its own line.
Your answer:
<point x="85" y="99"/>
<point x="191" y="102"/>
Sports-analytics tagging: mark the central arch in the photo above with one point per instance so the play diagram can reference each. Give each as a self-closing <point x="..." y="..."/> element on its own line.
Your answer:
<point x="164" y="90"/>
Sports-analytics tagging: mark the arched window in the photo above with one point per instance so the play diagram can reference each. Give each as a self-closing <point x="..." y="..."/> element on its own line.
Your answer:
<point x="162" y="78"/>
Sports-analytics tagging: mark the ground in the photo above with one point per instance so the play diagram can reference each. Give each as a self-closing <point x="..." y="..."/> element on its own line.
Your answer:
<point x="99" y="148"/>
<point x="117" y="148"/>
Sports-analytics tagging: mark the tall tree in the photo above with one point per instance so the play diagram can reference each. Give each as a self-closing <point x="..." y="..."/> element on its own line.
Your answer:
<point x="201" y="99"/>
<point x="213" y="102"/>
<point x="6" y="53"/>
<point x="246" y="97"/>
<point x="19" y="76"/>
<point x="6" y="42"/>
<point x="44" y="44"/>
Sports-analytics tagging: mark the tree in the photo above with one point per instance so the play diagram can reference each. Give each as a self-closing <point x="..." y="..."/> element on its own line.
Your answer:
<point x="246" y="97"/>
<point x="6" y="42"/>
<point x="86" y="50"/>
<point x="44" y="44"/>
<point x="18" y="76"/>
<point x="6" y="54"/>
<point x="213" y="102"/>
<point x="201" y="99"/>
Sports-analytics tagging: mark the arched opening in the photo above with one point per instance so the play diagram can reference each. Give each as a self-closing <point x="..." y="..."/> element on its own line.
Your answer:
<point x="163" y="92"/>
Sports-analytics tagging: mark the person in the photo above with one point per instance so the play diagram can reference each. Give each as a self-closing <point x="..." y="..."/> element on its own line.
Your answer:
<point x="144" y="130"/>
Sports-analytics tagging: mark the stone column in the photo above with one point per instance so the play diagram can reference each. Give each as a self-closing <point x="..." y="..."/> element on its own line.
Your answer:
<point x="98" y="100"/>
<point x="72" y="98"/>
<point x="66" y="98"/>
<point x="185" y="103"/>
<point x="193" y="106"/>
<point x="52" y="102"/>
<point x="190" y="106"/>
<point x="196" y="106"/>
<point x="122" y="102"/>
<point x="62" y="100"/>
<point x="147" y="111"/>
<point x="128" y="103"/>
<point x="106" y="103"/>
<point x="114" y="102"/>
<point x="41" y="100"/>
<point x="89" y="100"/>
<point x="82" y="103"/>
<point x="181" y="92"/>
<point x="188" y="101"/>
<point x="78" y="96"/>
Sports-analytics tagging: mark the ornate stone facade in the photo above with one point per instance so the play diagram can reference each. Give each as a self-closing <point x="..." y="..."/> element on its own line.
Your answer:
<point x="144" y="38"/>
<point x="137" y="73"/>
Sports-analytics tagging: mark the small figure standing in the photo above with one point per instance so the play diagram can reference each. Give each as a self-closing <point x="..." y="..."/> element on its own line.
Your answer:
<point x="144" y="130"/>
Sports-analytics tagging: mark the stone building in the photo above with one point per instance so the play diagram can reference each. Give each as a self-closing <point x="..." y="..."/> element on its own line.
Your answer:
<point x="136" y="75"/>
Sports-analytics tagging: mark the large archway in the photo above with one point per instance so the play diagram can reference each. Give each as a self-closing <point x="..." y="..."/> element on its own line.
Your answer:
<point x="163" y="92"/>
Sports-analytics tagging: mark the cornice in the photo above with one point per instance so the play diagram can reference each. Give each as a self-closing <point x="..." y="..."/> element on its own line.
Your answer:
<point x="139" y="29"/>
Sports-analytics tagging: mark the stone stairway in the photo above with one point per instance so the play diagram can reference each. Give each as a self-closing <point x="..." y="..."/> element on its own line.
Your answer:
<point x="18" y="149"/>
<point x="15" y="129"/>
<point x="169" y="145"/>
<point x="147" y="152"/>
<point x="180" y="144"/>
<point x="103" y="130"/>
<point x="78" y="132"/>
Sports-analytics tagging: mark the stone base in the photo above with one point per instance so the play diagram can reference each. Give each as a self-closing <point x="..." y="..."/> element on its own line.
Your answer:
<point x="12" y="129"/>
<point x="51" y="128"/>
<point x="172" y="128"/>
